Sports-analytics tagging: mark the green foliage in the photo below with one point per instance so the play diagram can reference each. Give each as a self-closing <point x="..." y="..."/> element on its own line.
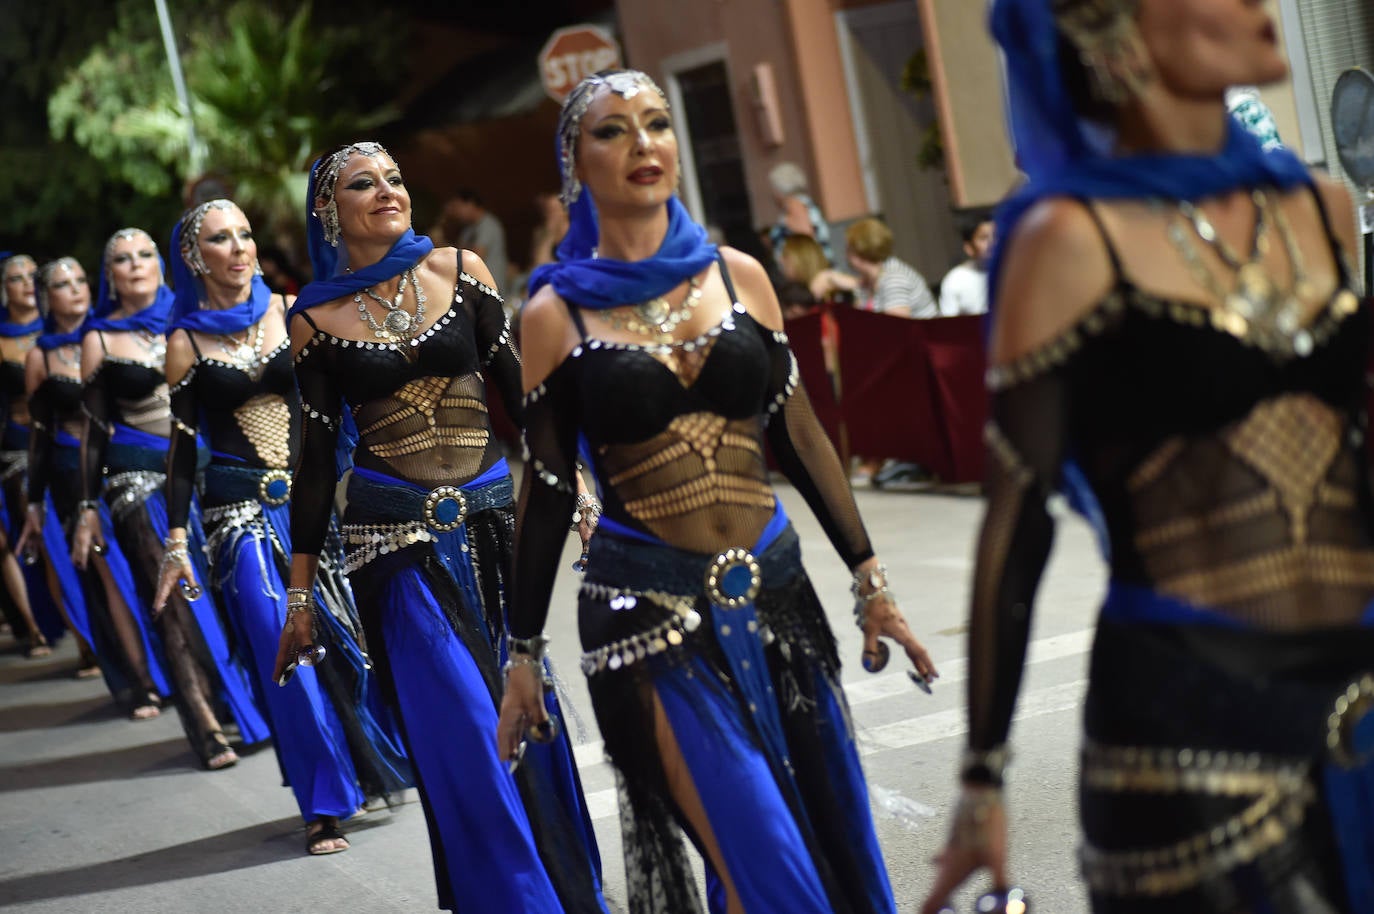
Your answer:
<point x="269" y="90"/>
<point x="916" y="80"/>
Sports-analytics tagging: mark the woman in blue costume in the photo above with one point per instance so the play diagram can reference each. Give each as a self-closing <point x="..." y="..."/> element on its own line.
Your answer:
<point x="20" y="325"/>
<point x="712" y="667"/>
<point x="229" y="367"/>
<point x="1176" y="345"/>
<point x="98" y="600"/>
<point x="392" y="343"/>
<point x="124" y="443"/>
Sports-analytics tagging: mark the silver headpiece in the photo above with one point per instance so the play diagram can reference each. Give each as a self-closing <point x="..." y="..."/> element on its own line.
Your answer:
<point x="45" y="278"/>
<point x="124" y="234"/>
<point x="625" y="83"/>
<point x="16" y="258"/>
<point x="1108" y="43"/>
<point x="190" y="234"/>
<point x="328" y="176"/>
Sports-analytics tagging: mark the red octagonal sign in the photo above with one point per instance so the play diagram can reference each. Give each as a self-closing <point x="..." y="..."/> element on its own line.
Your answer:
<point x="573" y="53"/>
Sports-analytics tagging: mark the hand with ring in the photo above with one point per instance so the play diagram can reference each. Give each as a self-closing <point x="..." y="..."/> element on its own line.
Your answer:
<point x="297" y="646"/>
<point x="87" y="538"/>
<point x="523" y="715"/>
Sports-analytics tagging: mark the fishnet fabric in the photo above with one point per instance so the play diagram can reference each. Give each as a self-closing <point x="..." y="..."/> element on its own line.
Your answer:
<point x="431" y="430"/>
<point x="265" y="421"/>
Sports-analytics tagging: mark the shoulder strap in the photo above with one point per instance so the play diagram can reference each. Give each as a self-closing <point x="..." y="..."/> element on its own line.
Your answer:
<point x="725" y="278"/>
<point x="305" y="316"/>
<point x="1117" y="271"/>
<point x="100" y="335"/>
<point x="576" y="314"/>
<point x="1337" y="252"/>
<point x="194" y="347"/>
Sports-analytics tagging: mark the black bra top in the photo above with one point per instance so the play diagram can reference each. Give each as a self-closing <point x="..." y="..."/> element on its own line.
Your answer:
<point x="12" y="379"/>
<point x="63" y="394"/>
<point x="222" y="388"/>
<point x="627" y="395"/>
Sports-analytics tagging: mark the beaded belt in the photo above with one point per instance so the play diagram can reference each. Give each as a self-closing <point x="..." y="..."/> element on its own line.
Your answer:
<point x="226" y="484"/>
<point x="387" y="514"/>
<point x="1281" y="790"/>
<point x="730" y="580"/>
<point x="125" y="491"/>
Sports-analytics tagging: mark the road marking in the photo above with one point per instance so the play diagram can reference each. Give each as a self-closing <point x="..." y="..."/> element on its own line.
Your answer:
<point x="938" y="725"/>
<point x="897" y="685"/>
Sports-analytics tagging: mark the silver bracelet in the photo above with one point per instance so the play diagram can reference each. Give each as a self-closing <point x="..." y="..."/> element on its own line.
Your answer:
<point x="588" y="508"/>
<point x="532" y="649"/>
<point x="985" y="766"/>
<point x="876" y="579"/>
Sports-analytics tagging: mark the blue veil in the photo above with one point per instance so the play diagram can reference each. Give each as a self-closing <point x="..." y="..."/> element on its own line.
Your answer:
<point x="190" y="289"/>
<point x="1062" y="154"/>
<point x="152" y="319"/>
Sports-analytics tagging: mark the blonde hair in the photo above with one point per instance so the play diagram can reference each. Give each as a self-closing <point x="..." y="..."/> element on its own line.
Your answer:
<point x="806" y="255"/>
<point x="869" y="239"/>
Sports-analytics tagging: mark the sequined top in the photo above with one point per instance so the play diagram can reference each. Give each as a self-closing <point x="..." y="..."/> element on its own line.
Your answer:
<point x="675" y="435"/>
<point x="55" y="405"/>
<point x="249" y="415"/>
<point x="420" y="414"/>
<point x="13" y="402"/>
<point x="1226" y="468"/>
<point x="121" y="392"/>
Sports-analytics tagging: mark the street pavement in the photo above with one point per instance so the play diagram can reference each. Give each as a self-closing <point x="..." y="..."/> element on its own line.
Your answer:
<point x="100" y="814"/>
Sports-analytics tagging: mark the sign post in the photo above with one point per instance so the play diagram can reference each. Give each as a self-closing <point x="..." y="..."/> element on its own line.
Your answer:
<point x="572" y="54"/>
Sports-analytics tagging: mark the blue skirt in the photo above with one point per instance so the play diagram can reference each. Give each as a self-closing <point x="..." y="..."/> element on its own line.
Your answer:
<point x="432" y="605"/>
<point x="749" y="685"/>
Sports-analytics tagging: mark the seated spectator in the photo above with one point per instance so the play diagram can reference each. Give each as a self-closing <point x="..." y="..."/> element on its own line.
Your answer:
<point x="799" y="213"/>
<point x="964" y="290"/>
<point x="882" y="283"/>
<point x="801" y="261"/>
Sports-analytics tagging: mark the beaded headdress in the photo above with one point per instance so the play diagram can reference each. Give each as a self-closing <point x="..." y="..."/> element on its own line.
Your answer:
<point x="1108" y="42"/>
<point x="328" y="176"/>
<point x="190" y="233"/>
<point x="125" y="234"/>
<point x="625" y="83"/>
<point x="5" y="264"/>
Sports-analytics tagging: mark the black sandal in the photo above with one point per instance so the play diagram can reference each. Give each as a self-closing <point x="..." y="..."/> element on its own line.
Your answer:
<point x="218" y="753"/>
<point x="148" y="707"/>
<point x="38" y="647"/>
<point x="320" y="831"/>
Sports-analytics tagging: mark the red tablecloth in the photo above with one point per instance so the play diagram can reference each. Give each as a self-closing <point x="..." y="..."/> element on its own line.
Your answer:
<point x="909" y="389"/>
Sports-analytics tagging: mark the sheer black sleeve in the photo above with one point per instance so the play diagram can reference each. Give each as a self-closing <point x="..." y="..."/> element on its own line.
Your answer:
<point x="547" y="499"/>
<point x="181" y="451"/>
<point x="312" y="488"/>
<point x="1025" y="446"/>
<point x="497" y="351"/>
<point x="95" y="434"/>
<point x="42" y="424"/>
<point x="806" y="456"/>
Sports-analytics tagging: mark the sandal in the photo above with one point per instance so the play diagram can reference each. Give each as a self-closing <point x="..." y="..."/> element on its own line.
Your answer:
<point x="38" y="646"/>
<point x="218" y="753"/>
<point x="323" y="837"/>
<point x="148" y="707"/>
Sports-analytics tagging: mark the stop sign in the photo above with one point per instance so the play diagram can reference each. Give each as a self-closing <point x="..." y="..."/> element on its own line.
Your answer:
<point x="573" y="53"/>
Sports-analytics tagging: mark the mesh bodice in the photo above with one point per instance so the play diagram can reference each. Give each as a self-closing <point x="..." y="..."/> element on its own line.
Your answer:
<point x="1224" y="472"/>
<point x="419" y="410"/>
<point x="675" y="435"/>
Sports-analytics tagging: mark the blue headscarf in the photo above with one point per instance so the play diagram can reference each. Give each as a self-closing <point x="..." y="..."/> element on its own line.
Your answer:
<point x="8" y="329"/>
<point x="186" y="310"/>
<point x="1064" y="155"/>
<point x="600" y="282"/>
<point x="152" y="319"/>
<point x="329" y="283"/>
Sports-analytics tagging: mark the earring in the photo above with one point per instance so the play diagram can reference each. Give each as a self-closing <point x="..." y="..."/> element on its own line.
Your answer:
<point x="1109" y="46"/>
<point x="329" y="223"/>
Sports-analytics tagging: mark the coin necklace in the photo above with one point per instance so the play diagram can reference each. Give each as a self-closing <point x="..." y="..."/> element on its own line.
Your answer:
<point x="155" y="343"/>
<point x="656" y="317"/>
<point x="241" y="352"/>
<point x="398" y="324"/>
<point x="1256" y="301"/>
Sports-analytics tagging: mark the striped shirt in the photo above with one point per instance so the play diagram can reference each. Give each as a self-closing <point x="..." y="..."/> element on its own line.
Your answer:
<point x="900" y="286"/>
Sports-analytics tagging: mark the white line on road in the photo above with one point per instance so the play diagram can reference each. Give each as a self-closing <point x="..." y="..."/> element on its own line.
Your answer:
<point x="912" y="731"/>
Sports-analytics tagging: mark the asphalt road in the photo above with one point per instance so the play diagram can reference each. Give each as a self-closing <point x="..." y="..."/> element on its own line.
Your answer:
<point x="100" y="814"/>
